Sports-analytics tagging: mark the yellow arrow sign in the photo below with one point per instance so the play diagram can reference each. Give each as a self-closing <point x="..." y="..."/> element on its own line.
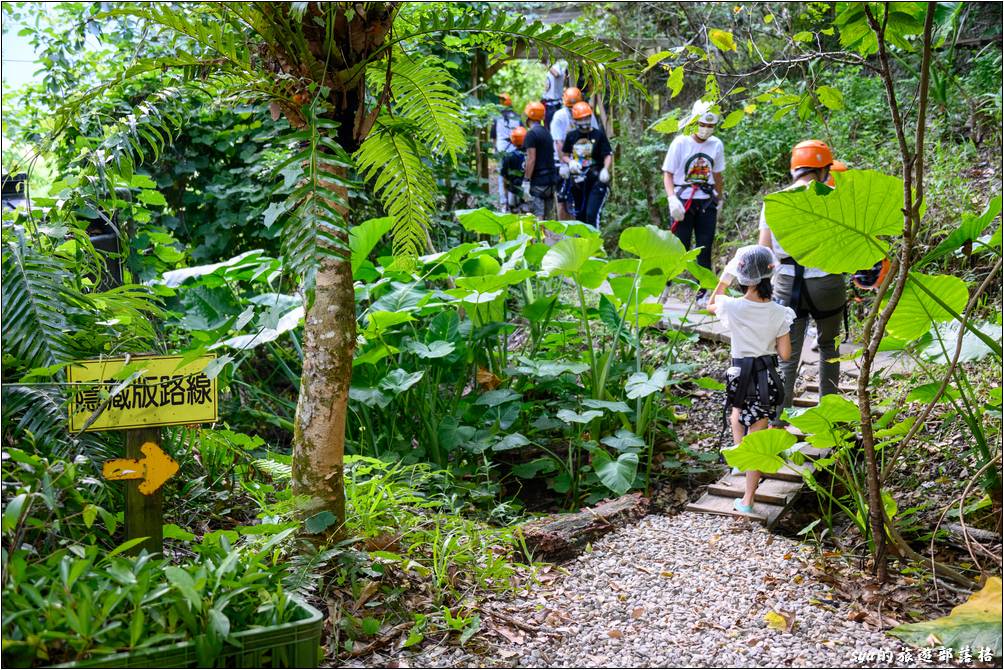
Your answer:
<point x="155" y="469"/>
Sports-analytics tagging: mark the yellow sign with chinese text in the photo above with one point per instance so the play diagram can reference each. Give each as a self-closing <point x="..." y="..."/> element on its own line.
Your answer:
<point x="161" y="391"/>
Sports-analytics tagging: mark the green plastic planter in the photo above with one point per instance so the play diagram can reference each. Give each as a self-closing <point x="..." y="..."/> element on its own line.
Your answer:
<point x="296" y="644"/>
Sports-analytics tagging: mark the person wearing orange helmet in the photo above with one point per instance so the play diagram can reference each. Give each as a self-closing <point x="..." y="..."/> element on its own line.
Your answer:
<point x="811" y="292"/>
<point x="501" y="131"/>
<point x="561" y="123"/>
<point x="512" y="171"/>
<point x="538" y="184"/>
<point x="587" y="156"/>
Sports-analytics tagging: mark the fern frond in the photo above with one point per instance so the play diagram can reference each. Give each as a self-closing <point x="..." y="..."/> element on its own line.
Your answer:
<point x="392" y="159"/>
<point x="39" y="411"/>
<point x="280" y="472"/>
<point x="35" y="297"/>
<point x="313" y="225"/>
<point x="424" y="93"/>
<point x="604" y="67"/>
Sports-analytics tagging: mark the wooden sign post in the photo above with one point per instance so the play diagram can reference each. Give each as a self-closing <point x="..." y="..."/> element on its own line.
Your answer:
<point x="165" y="391"/>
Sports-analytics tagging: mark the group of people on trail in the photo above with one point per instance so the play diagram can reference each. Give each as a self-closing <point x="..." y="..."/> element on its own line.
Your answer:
<point x="558" y="164"/>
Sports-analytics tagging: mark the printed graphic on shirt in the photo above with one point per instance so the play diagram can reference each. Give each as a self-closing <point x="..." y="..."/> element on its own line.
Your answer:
<point x="699" y="168"/>
<point x="582" y="151"/>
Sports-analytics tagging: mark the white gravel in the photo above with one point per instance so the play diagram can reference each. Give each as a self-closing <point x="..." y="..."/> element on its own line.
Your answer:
<point x="688" y="590"/>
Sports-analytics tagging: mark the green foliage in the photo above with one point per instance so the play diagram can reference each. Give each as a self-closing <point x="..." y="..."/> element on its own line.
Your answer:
<point x="838" y="229"/>
<point x="77" y="603"/>
<point x="760" y="450"/>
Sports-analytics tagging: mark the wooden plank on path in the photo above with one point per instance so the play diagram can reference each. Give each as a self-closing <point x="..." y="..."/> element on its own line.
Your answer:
<point x="764" y="513"/>
<point x="791" y="473"/>
<point x="772" y="491"/>
<point x="845" y="389"/>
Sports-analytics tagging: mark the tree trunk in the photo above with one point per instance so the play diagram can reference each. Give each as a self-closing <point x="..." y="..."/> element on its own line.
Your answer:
<point x="330" y="319"/>
<point x="322" y="407"/>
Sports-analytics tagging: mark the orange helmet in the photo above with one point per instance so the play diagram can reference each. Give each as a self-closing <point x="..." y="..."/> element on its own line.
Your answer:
<point x="581" y="110"/>
<point x="838" y="166"/>
<point x="571" y="96"/>
<point x="811" y="154"/>
<point x="534" y="111"/>
<point x="517" y="135"/>
<point x="505" y="100"/>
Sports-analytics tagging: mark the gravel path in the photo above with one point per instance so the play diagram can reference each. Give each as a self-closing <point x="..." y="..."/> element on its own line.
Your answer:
<point x="687" y="590"/>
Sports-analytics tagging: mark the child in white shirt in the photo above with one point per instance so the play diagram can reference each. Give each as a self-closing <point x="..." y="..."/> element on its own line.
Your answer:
<point x="759" y="333"/>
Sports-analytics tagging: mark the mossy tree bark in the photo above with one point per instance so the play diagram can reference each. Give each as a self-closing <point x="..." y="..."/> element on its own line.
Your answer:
<point x="352" y="33"/>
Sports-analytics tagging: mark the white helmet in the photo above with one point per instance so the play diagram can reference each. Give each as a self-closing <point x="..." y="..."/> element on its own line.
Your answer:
<point x="702" y="113"/>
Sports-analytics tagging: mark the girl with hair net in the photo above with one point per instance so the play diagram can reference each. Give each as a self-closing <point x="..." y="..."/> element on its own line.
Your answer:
<point x="759" y="330"/>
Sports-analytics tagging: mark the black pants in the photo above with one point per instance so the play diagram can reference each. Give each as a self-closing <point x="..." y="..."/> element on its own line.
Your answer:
<point x="587" y="198"/>
<point x="699" y="223"/>
<point x="550" y="107"/>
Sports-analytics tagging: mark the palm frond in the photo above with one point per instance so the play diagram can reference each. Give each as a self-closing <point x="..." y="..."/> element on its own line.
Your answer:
<point x="38" y="410"/>
<point x="392" y="159"/>
<point x="424" y="93"/>
<point x="605" y="68"/>
<point x="35" y="296"/>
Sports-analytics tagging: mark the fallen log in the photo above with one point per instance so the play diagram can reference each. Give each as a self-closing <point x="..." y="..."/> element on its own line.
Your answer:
<point x="562" y="536"/>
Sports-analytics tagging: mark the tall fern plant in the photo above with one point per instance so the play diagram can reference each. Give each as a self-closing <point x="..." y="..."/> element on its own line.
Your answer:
<point x="347" y="77"/>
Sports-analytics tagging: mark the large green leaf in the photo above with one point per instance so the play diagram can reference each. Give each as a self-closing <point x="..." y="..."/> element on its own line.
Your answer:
<point x="640" y="384"/>
<point x="975" y="624"/>
<point x="837" y="229"/>
<point x="760" y="450"/>
<point x="821" y="422"/>
<point x="398" y="381"/>
<point x="917" y="308"/>
<point x="658" y="249"/>
<point x="571" y="416"/>
<point x="570" y="256"/>
<point x="484" y="221"/>
<point x="617" y="475"/>
<point x="365" y="236"/>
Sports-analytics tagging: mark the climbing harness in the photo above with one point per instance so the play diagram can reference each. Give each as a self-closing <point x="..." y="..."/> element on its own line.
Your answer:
<point x="798" y="291"/>
<point x="755" y="375"/>
<point x="706" y="188"/>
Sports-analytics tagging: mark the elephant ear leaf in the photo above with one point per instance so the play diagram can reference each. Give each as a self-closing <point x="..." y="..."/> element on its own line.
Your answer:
<point x="975" y="624"/>
<point x="760" y="450"/>
<point x="838" y="229"/>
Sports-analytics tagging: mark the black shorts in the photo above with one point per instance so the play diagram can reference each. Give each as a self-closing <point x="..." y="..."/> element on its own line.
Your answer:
<point x="751" y="410"/>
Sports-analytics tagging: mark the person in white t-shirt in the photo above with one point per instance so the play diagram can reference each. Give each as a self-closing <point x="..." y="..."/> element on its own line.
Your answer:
<point x="553" y="86"/>
<point x="758" y="328"/>
<point x="811" y="292"/>
<point x="692" y="176"/>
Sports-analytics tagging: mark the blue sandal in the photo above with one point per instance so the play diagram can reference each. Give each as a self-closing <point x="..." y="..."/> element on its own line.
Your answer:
<point x="741" y="508"/>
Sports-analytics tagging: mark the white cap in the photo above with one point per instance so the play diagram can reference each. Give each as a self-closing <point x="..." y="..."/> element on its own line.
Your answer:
<point x="751" y="264"/>
<point x="701" y="112"/>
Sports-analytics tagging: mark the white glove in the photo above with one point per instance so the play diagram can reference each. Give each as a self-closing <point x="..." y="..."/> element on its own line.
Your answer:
<point x="721" y="205"/>
<point x="526" y="189"/>
<point x="605" y="176"/>
<point x="563" y="171"/>
<point x="676" y="209"/>
<point x="575" y="167"/>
